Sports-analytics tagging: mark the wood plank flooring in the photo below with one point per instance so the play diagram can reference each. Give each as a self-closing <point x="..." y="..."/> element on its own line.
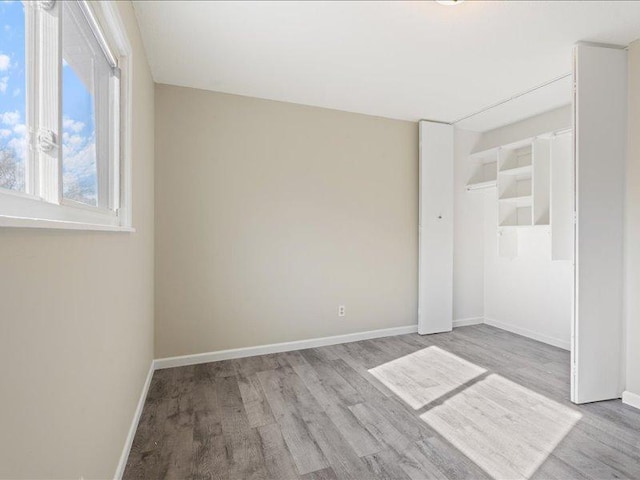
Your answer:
<point x="475" y="403"/>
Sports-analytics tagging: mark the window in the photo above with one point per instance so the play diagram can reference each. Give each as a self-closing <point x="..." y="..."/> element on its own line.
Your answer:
<point x="13" y="132"/>
<point x="60" y="115"/>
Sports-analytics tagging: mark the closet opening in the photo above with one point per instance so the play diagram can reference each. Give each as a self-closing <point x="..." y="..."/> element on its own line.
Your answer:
<point x="534" y="214"/>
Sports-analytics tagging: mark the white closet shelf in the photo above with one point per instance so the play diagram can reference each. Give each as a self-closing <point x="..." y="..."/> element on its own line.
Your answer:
<point x="515" y="226"/>
<point x="520" y="201"/>
<point x="536" y="226"/>
<point x="524" y="170"/>
<point x="481" y="185"/>
<point x="485" y="156"/>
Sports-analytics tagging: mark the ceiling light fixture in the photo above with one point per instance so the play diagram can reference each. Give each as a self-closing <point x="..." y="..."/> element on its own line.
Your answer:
<point x="449" y="2"/>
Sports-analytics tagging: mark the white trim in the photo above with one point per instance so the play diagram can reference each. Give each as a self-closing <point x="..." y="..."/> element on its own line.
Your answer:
<point x="47" y="208"/>
<point x="631" y="399"/>
<point x="107" y="213"/>
<point x="22" y="222"/>
<point x="134" y="423"/>
<point x="463" y="322"/>
<point x="27" y="206"/>
<point x="207" y="357"/>
<point x="98" y="33"/>
<point x="118" y="34"/>
<point x="556" y="342"/>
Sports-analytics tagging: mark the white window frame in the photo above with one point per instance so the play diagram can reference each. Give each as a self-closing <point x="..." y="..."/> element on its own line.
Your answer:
<point x="44" y="205"/>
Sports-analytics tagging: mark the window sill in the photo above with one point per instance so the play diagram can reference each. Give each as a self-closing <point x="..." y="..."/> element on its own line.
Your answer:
<point x="22" y="222"/>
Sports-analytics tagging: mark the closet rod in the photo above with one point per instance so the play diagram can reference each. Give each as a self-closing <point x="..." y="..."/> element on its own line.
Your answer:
<point x="513" y="97"/>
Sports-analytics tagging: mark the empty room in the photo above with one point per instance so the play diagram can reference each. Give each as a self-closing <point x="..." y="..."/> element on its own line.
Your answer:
<point x="319" y="240"/>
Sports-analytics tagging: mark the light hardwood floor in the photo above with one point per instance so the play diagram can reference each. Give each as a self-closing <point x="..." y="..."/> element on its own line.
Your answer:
<point x="475" y="403"/>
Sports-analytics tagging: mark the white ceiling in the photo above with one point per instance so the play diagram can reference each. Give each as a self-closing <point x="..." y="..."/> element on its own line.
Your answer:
<point x="404" y="60"/>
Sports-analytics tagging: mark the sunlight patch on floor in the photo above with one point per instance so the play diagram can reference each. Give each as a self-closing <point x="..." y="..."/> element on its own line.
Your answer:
<point x="505" y="428"/>
<point x="426" y="375"/>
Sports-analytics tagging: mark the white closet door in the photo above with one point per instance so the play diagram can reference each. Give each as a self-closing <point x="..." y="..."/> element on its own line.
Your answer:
<point x="600" y="120"/>
<point x="435" y="295"/>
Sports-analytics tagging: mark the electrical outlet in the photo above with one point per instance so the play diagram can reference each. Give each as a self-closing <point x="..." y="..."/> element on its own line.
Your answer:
<point x="342" y="310"/>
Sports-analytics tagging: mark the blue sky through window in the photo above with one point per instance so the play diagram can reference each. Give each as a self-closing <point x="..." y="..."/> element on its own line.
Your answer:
<point x="13" y="133"/>
<point x="78" y="122"/>
<point x="79" y="166"/>
<point x="78" y="139"/>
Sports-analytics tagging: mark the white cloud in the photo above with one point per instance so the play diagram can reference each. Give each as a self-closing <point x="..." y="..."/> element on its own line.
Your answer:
<point x="20" y="129"/>
<point x="4" y="83"/>
<point x="81" y="163"/>
<point x="75" y="142"/>
<point x="19" y="144"/>
<point x="10" y="118"/>
<point x="5" y="62"/>
<point x="79" y="167"/>
<point x="17" y="138"/>
<point x="78" y="162"/>
<point x="77" y="151"/>
<point x="70" y="124"/>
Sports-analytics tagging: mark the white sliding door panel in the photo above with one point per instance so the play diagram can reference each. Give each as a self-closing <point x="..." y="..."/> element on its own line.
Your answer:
<point x="600" y="109"/>
<point x="435" y="283"/>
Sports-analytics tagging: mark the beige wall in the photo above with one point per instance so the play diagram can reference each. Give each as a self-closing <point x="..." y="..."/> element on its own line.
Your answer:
<point x="76" y="327"/>
<point x="632" y="219"/>
<point x="269" y="215"/>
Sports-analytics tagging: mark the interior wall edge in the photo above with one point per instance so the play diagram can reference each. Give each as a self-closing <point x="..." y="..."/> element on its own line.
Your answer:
<point x="229" y="354"/>
<point x="122" y="463"/>
<point x="631" y="399"/>
<point x="632" y="226"/>
<point x="463" y="322"/>
<point x="556" y="342"/>
<point x="216" y="356"/>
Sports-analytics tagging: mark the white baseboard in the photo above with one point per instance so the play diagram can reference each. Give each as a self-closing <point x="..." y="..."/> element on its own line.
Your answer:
<point x="529" y="333"/>
<point x="463" y="322"/>
<point x="207" y="357"/>
<point x="631" y="399"/>
<point x="134" y="424"/>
